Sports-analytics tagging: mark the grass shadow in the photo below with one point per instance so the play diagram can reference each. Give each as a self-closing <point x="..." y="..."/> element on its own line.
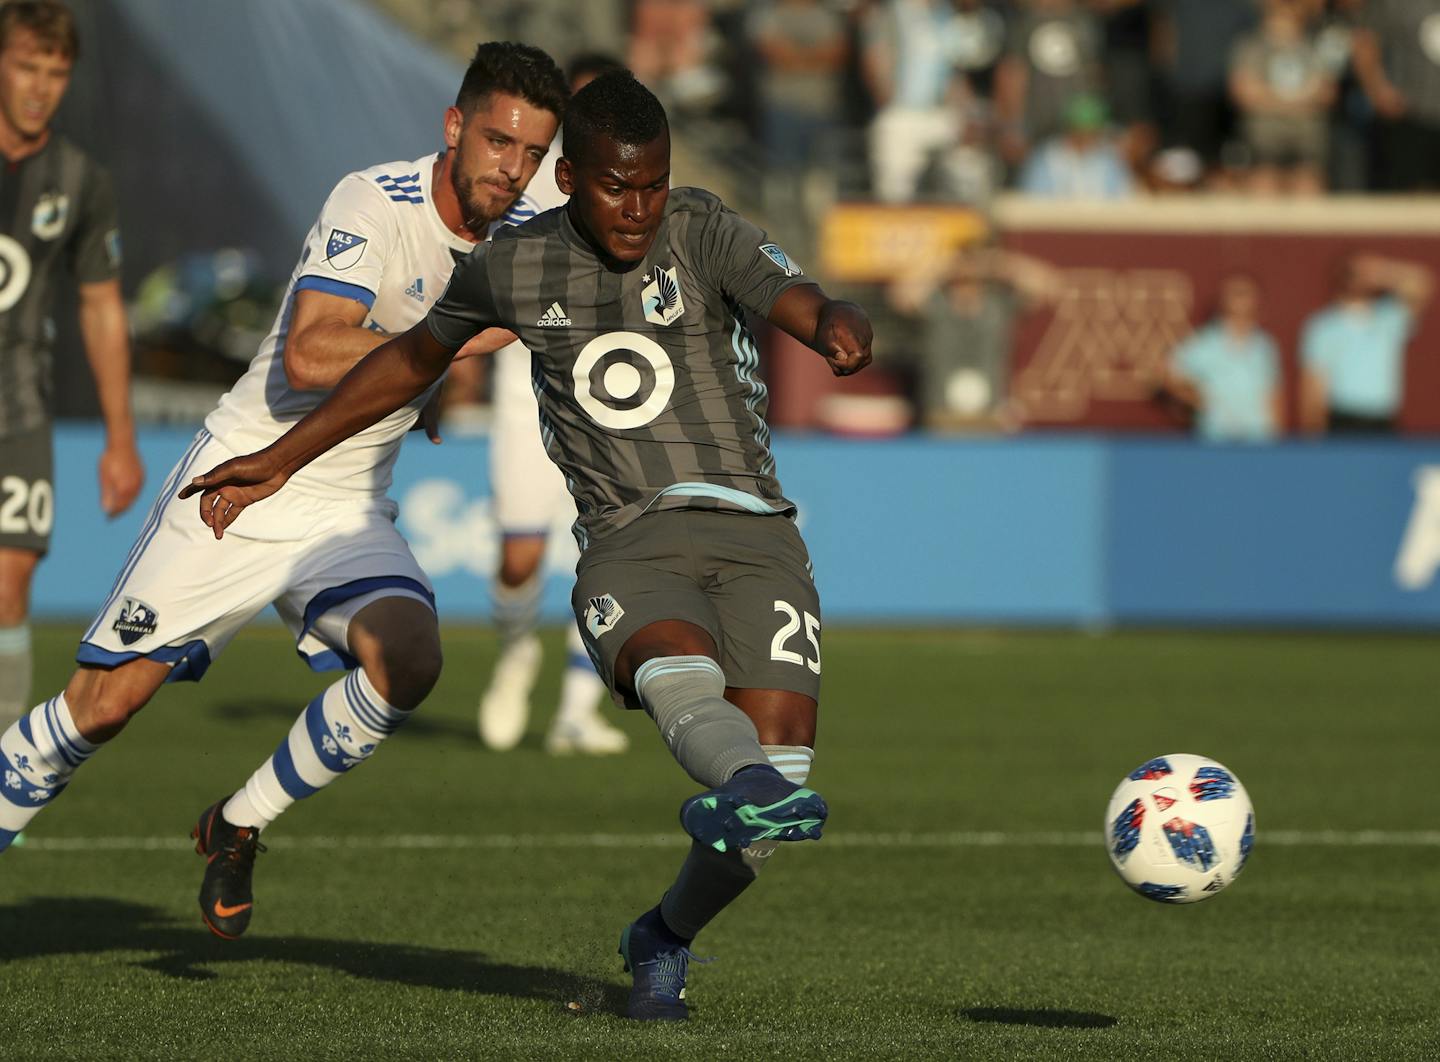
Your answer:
<point x="1043" y="1017"/>
<point x="94" y="925"/>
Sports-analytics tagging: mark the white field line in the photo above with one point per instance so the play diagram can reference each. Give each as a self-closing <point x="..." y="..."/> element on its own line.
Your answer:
<point x="840" y="839"/>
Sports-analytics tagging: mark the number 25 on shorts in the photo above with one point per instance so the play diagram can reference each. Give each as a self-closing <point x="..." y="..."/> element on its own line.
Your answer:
<point x="792" y="627"/>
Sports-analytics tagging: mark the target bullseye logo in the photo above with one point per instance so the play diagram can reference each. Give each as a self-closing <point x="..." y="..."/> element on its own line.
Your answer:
<point x="14" y="272"/>
<point x="623" y="380"/>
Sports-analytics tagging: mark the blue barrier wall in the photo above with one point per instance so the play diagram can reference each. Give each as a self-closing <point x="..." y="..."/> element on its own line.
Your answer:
<point x="1027" y="531"/>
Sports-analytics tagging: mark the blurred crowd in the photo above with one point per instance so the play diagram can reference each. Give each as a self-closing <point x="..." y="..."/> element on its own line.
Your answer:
<point x="953" y="99"/>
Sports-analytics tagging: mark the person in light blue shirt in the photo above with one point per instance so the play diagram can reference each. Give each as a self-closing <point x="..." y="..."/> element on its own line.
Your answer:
<point x="1084" y="163"/>
<point x="1229" y="370"/>
<point x="1353" y="352"/>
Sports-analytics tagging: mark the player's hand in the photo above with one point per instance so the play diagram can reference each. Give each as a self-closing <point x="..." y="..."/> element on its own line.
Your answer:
<point x="227" y="489"/>
<point x="429" y="419"/>
<point x="843" y="337"/>
<point x="486" y="342"/>
<point x="121" y="476"/>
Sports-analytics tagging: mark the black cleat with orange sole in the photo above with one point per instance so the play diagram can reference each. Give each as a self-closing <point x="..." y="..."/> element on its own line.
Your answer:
<point x="225" y="897"/>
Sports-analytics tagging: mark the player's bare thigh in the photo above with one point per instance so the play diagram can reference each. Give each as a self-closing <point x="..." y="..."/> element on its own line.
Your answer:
<point x="781" y="717"/>
<point x="17" y="569"/>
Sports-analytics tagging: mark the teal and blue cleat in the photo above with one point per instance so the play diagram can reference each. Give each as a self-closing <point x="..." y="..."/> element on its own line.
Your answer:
<point x="660" y="963"/>
<point x="756" y="804"/>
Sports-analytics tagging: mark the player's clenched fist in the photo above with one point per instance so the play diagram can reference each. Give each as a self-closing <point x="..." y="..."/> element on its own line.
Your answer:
<point x="844" y="336"/>
<point x="228" y="488"/>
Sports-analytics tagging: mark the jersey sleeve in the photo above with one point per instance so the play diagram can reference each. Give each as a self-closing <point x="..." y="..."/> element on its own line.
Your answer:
<point x="749" y="268"/>
<point x="350" y="244"/>
<point x="95" y="252"/>
<point x="468" y="306"/>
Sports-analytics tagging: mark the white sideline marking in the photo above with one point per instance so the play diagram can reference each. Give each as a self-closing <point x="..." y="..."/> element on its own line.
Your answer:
<point x="973" y="839"/>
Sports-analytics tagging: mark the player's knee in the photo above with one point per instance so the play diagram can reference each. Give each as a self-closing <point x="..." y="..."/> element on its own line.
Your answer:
<point x="102" y="701"/>
<point x="405" y="669"/>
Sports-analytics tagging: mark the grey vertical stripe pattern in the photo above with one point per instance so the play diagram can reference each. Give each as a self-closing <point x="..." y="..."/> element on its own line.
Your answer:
<point x="64" y="237"/>
<point x="711" y="431"/>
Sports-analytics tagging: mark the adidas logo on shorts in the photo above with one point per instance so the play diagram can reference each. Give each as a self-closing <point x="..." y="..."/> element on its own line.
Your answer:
<point x="554" y="317"/>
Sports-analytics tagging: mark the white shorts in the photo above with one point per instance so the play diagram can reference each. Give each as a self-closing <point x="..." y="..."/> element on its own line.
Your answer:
<point x="530" y="492"/>
<point x="182" y="596"/>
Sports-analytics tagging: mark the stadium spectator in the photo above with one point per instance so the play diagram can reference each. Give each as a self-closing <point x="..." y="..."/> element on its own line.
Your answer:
<point x="1127" y="30"/>
<point x="1228" y="370"/>
<point x="1283" y="87"/>
<point x="1085" y="163"/>
<point x="922" y="97"/>
<point x="803" y="46"/>
<point x="669" y="49"/>
<point x="1397" y="60"/>
<point x="968" y="306"/>
<point x="1052" y="56"/>
<point x="1353" y="352"/>
<point x="59" y="227"/>
<point x="1193" y="42"/>
<point x="1351" y="117"/>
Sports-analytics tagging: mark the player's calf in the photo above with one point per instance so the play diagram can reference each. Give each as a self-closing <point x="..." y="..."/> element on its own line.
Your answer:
<point x="41" y="751"/>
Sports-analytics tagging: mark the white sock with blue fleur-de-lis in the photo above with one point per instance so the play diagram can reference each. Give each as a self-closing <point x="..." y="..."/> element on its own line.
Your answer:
<point x="338" y="730"/>
<point x="40" y="751"/>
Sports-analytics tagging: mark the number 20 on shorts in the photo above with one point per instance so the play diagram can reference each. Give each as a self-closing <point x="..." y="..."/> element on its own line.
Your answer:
<point x="791" y="628"/>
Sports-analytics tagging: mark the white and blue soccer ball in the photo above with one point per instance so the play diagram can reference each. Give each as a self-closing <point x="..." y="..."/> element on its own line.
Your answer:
<point x="1179" y="828"/>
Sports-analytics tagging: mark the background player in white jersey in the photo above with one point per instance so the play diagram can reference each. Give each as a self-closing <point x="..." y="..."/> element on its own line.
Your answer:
<point x="530" y="500"/>
<point x="57" y="217"/>
<point x="330" y="559"/>
<point x="694" y="587"/>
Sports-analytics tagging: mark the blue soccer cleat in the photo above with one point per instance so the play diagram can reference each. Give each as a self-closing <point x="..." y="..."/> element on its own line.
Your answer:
<point x="756" y="804"/>
<point x="659" y="963"/>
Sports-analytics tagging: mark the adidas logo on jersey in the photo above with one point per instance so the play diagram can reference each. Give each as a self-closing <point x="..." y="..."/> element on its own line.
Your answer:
<point x="554" y="317"/>
<point x="417" y="290"/>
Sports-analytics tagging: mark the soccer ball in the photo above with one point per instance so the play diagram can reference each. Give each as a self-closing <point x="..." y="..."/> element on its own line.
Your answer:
<point x="1179" y="828"/>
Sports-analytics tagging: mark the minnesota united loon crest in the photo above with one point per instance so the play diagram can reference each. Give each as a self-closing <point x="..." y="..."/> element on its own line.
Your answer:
<point x="663" y="304"/>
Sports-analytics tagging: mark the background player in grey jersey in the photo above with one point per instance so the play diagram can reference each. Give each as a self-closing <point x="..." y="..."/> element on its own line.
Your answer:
<point x="693" y="586"/>
<point x="57" y="215"/>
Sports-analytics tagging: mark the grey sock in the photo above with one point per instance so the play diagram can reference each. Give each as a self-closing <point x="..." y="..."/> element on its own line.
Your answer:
<point x="14" y="673"/>
<point x="709" y="881"/>
<point x="707" y="735"/>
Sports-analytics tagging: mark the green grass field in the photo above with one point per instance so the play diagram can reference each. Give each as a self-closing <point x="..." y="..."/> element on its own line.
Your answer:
<point x="445" y="902"/>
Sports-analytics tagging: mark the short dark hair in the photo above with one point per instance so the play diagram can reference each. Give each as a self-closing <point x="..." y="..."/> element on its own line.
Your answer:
<point x="50" y="21"/>
<point x="614" y="106"/>
<point x="516" y="70"/>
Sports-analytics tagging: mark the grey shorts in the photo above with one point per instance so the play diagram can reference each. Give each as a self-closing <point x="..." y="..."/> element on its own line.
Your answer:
<point x="27" y="492"/>
<point x="746" y="579"/>
<point x="1279" y="140"/>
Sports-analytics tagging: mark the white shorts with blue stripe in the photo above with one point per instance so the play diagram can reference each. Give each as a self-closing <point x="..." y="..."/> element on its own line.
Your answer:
<point x="181" y="596"/>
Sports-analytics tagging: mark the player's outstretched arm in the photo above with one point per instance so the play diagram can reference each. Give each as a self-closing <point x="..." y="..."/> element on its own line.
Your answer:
<point x="384" y="380"/>
<point x="840" y="331"/>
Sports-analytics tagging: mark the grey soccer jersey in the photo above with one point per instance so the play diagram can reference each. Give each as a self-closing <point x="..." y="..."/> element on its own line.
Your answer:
<point x="57" y="212"/>
<point x="647" y="379"/>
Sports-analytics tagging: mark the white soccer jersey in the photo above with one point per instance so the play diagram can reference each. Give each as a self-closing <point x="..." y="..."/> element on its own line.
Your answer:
<point x="379" y="241"/>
